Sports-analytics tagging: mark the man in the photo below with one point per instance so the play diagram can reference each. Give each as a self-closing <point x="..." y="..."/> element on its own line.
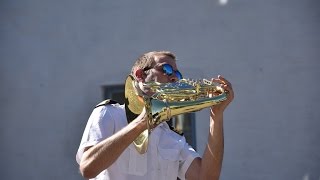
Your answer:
<point x="107" y="152"/>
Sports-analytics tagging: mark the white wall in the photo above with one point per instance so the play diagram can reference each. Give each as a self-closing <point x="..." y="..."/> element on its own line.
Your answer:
<point x="56" y="55"/>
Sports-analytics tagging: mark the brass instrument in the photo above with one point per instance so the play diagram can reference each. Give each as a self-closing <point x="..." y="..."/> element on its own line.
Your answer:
<point x="168" y="100"/>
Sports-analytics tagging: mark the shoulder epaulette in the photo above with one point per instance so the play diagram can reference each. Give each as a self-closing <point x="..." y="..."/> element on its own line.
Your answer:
<point x="106" y="102"/>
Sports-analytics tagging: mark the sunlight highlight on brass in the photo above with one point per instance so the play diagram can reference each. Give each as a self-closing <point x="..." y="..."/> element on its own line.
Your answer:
<point x="170" y="99"/>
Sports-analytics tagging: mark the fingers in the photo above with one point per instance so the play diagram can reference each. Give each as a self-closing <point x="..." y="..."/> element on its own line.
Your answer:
<point x="225" y="84"/>
<point x="221" y="80"/>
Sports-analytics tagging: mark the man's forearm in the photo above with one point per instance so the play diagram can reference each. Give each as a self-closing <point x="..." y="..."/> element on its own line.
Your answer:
<point x="105" y="153"/>
<point x="213" y="155"/>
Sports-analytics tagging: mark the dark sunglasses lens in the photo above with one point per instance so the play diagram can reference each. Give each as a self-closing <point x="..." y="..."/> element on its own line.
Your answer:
<point x="167" y="68"/>
<point x="179" y="75"/>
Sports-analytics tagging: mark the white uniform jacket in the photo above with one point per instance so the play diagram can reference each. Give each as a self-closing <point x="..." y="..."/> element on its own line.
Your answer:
<point x="167" y="158"/>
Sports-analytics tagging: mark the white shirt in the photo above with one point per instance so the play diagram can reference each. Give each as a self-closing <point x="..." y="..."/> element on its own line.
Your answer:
<point x="168" y="155"/>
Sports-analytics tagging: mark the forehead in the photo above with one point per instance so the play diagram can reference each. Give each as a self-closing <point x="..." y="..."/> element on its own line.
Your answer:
<point x="163" y="59"/>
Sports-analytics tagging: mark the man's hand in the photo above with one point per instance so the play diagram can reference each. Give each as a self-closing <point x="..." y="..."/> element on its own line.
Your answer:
<point x="226" y="85"/>
<point x="143" y="118"/>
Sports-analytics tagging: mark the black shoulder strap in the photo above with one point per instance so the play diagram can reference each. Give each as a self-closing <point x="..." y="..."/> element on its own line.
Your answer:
<point x="106" y="102"/>
<point x="175" y="130"/>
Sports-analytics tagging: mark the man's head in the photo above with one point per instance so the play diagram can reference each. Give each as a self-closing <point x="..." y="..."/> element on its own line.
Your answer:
<point x="159" y="66"/>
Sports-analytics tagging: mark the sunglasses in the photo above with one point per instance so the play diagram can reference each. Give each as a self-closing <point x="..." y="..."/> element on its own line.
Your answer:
<point x="168" y="70"/>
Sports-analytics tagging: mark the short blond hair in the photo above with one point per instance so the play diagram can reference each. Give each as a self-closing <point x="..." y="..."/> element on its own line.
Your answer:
<point x="147" y="60"/>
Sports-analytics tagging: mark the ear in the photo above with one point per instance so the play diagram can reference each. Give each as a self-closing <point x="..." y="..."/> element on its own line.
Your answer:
<point x="140" y="74"/>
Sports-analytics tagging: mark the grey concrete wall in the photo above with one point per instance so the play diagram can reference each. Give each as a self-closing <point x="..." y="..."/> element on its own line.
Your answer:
<point x="55" y="55"/>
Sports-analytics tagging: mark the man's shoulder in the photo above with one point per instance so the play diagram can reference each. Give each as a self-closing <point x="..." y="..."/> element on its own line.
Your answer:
<point x="110" y="106"/>
<point x="106" y="102"/>
<point x="109" y="110"/>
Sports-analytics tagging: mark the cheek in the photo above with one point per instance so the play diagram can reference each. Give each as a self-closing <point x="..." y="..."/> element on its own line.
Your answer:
<point x="162" y="79"/>
<point x="150" y="77"/>
<point x="158" y="77"/>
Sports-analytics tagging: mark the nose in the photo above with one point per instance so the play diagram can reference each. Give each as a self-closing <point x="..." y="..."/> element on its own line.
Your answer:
<point x="173" y="77"/>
